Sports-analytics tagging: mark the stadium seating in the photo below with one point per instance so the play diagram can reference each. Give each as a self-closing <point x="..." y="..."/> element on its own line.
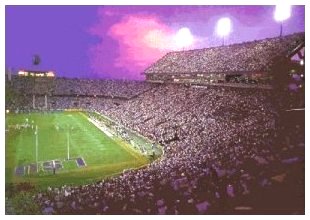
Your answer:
<point x="222" y="148"/>
<point x="219" y="155"/>
<point x="243" y="57"/>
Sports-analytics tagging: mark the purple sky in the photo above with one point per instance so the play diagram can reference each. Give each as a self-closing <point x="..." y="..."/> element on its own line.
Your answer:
<point x="121" y="41"/>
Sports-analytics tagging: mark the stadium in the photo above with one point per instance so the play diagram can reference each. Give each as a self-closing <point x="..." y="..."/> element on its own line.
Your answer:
<point x="218" y="130"/>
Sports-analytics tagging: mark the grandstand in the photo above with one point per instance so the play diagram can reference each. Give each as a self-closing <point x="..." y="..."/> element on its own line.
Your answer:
<point x="249" y="62"/>
<point x="227" y="149"/>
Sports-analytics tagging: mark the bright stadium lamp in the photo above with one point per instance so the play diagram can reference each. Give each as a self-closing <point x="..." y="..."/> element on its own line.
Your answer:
<point x="301" y="62"/>
<point x="223" y="27"/>
<point x="282" y="13"/>
<point x="183" y="38"/>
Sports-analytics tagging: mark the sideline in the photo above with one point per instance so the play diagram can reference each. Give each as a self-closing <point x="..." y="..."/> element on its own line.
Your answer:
<point x="137" y="155"/>
<point x="102" y="128"/>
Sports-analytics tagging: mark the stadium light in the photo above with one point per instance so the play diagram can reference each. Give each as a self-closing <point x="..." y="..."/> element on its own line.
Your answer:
<point x="223" y="28"/>
<point x="183" y="38"/>
<point x="282" y="13"/>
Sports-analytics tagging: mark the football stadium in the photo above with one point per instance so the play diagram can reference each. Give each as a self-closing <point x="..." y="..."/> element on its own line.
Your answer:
<point x="217" y="130"/>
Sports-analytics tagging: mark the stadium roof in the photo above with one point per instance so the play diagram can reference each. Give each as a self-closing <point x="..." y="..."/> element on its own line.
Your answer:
<point x="243" y="57"/>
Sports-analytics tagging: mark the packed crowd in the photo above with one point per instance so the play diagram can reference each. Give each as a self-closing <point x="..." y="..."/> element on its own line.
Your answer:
<point x="223" y="154"/>
<point x="79" y="87"/>
<point x="226" y="150"/>
<point x="107" y="88"/>
<point x="249" y="56"/>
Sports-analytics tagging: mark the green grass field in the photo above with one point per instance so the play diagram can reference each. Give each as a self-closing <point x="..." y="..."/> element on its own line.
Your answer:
<point x="103" y="155"/>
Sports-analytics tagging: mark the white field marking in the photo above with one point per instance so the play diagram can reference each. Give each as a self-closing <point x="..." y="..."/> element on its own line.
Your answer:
<point x="102" y="128"/>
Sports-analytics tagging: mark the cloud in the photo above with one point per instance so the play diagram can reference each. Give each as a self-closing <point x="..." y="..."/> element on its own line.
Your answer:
<point x="142" y="39"/>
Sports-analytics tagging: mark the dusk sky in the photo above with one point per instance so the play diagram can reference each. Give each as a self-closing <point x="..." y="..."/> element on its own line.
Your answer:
<point x="122" y="41"/>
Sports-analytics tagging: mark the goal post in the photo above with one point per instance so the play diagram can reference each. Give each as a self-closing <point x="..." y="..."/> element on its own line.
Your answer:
<point x="69" y="129"/>
<point x="36" y="146"/>
<point x="68" y="144"/>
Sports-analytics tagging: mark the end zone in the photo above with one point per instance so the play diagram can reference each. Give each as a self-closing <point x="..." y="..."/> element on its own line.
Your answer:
<point x="80" y="162"/>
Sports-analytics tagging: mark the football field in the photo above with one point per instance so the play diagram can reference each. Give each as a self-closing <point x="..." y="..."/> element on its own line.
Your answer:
<point x="93" y="153"/>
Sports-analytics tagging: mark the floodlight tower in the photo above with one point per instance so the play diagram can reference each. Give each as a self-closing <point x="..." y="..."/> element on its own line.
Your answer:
<point x="223" y="28"/>
<point x="183" y="38"/>
<point x="282" y="13"/>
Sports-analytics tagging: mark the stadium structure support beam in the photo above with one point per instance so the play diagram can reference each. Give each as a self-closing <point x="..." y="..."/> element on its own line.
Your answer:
<point x="45" y="101"/>
<point x="33" y="101"/>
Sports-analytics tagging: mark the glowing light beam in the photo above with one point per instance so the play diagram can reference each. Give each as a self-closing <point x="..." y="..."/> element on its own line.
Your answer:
<point x="223" y="27"/>
<point x="183" y="38"/>
<point x="282" y="12"/>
